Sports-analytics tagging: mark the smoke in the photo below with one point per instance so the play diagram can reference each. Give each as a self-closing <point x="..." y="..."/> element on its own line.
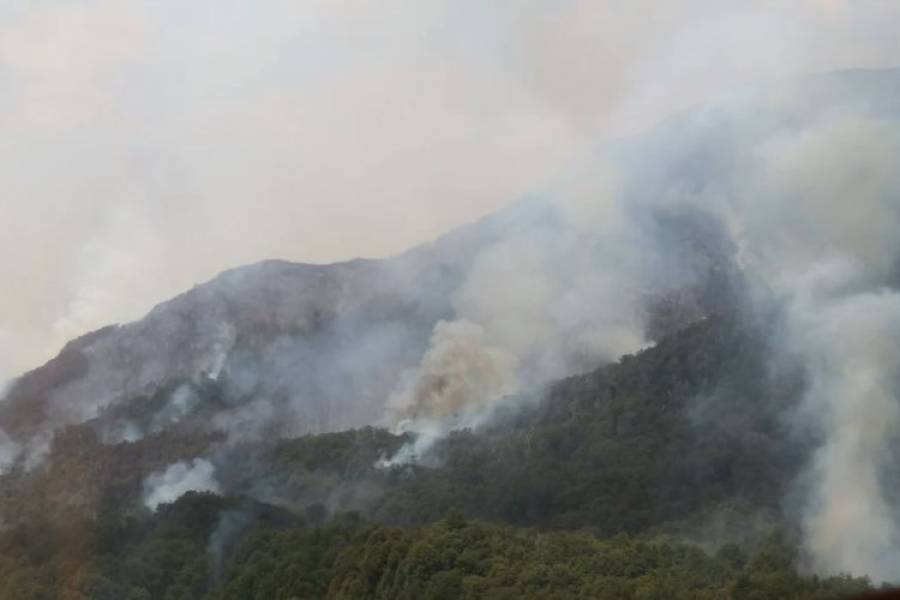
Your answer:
<point x="852" y="346"/>
<point x="128" y="132"/>
<point x="804" y="180"/>
<point x="183" y="401"/>
<point x="129" y="129"/>
<point x="9" y="452"/>
<point x="167" y="486"/>
<point x="231" y="525"/>
<point x="458" y="374"/>
<point x="810" y="199"/>
<point x="559" y="292"/>
<point x="837" y="252"/>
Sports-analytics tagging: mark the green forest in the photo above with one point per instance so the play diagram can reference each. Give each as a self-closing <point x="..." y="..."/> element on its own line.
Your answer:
<point x="176" y="555"/>
<point x="607" y="485"/>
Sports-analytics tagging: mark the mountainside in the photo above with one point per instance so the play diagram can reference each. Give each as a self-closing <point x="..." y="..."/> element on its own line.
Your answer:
<point x="292" y="348"/>
<point x="322" y="347"/>
<point x="672" y="374"/>
<point x="680" y="441"/>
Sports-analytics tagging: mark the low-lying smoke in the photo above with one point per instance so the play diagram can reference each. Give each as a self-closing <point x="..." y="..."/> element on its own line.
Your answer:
<point x="197" y="475"/>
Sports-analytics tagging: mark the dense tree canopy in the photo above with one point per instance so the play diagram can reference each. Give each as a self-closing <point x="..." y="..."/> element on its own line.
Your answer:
<point x="204" y="546"/>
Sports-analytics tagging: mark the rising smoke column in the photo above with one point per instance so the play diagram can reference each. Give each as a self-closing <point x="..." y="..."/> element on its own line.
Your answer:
<point x="817" y="216"/>
<point x="810" y="197"/>
<point x="557" y="293"/>
<point x="852" y="350"/>
<point x="459" y="370"/>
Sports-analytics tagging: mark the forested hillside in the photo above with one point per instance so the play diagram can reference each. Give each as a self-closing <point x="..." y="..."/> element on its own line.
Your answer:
<point x="672" y="375"/>
<point x="623" y="458"/>
<point x="188" y="551"/>
<point x="685" y="427"/>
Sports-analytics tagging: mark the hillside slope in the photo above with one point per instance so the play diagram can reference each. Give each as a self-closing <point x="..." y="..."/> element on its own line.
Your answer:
<point x="676" y="368"/>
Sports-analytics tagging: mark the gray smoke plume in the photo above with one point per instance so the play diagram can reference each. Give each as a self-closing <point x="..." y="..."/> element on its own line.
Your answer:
<point x="559" y="292"/>
<point x="805" y="180"/>
<point x="808" y="197"/>
<point x="230" y="526"/>
<point x="457" y="371"/>
<point x="852" y="348"/>
<point x="9" y="452"/>
<point x="418" y="134"/>
<point x="811" y="200"/>
<point x="458" y="374"/>
<point x="178" y="479"/>
<point x="829" y="220"/>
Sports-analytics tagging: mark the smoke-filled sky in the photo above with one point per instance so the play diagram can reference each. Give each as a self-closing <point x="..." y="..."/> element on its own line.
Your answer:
<point x="147" y="145"/>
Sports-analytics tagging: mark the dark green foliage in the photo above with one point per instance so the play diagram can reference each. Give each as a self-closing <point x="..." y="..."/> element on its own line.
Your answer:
<point x="179" y="553"/>
<point x="458" y="559"/>
<point x="315" y="475"/>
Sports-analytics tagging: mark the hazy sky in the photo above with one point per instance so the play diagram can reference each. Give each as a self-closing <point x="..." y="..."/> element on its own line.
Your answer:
<point x="147" y="145"/>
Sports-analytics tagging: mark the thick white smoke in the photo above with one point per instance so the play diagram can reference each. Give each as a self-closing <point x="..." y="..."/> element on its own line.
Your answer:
<point x="825" y="231"/>
<point x="559" y="293"/>
<point x="816" y="217"/>
<point x="838" y="249"/>
<point x="811" y="199"/>
<point x="108" y="186"/>
<point x="130" y="128"/>
<point x="851" y="344"/>
<point x="178" y="479"/>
